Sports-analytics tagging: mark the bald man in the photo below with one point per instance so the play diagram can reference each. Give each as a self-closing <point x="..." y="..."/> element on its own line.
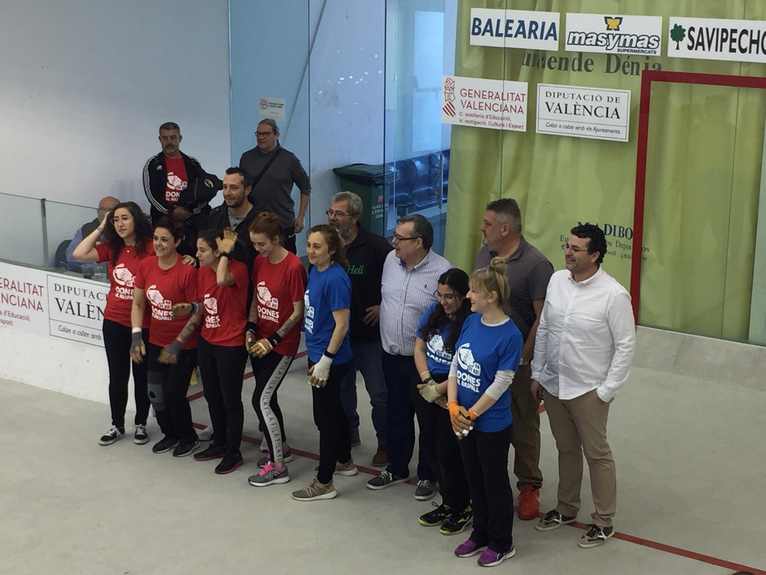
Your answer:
<point x="106" y="205"/>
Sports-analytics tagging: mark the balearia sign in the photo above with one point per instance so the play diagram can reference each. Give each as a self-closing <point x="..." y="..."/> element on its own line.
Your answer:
<point x="614" y="34"/>
<point x="712" y="39"/>
<point x="515" y="29"/>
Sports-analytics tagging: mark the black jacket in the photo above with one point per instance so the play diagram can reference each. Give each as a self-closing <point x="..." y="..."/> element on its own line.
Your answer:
<point x="218" y="220"/>
<point x="366" y="255"/>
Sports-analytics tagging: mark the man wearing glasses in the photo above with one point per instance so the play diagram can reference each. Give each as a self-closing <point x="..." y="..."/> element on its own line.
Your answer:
<point x="410" y="277"/>
<point x="583" y="353"/>
<point x="366" y="253"/>
<point x="528" y="274"/>
<point x="272" y="171"/>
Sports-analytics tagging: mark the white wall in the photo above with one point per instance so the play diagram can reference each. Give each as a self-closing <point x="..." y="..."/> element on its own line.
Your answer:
<point x="86" y="83"/>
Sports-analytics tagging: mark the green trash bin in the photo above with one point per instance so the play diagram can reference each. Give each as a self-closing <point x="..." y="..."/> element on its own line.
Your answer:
<point x="368" y="181"/>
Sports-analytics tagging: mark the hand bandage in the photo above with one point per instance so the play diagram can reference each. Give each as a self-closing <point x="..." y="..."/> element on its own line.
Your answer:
<point x="429" y="392"/>
<point x="321" y="369"/>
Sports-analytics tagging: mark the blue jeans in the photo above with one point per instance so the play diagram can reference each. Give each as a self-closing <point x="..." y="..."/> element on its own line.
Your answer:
<point x="368" y="360"/>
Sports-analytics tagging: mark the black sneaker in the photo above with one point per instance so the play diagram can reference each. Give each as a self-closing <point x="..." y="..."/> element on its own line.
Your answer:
<point x="111" y="435"/>
<point x="385" y="479"/>
<point x="457" y="522"/>
<point x="165" y="444"/>
<point x="185" y="448"/>
<point x="435" y="517"/>
<point x="228" y="464"/>
<point x="212" y="452"/>
<point x="140" y="436"/>
<point x="425" y="490"/>
<point x="595" y="536"/>
<point x="553" y="520"/>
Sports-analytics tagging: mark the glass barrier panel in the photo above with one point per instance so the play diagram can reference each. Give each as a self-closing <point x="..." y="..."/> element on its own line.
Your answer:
<point x="67" y="224"/>
<point x="21" y="235"/>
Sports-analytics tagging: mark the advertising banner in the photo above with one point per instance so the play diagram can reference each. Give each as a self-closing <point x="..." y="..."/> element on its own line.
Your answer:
<point x="581" y="112"/>
<point x="51" y="304"/>
<point x="716" y="39"/>
<point x="613" y="34"/>
<point x="515" y="29"/>
<point x="481" y="103"/>
<point x="273" y="108"/>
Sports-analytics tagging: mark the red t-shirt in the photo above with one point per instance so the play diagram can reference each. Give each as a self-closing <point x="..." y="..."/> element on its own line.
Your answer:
<point x="276" y="287"/>
<point x="163" y="289"/>
<point x="121" y="279"/>
<point x="176" y="180"/>
<point x="225" y="307"/>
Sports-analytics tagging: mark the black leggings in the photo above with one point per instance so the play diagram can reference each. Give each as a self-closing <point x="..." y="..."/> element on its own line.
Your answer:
<point x="262" y="369"/>
<point x="117" y="339"/>
<point x="168" y="385"/>
<point x="334" y="432"/>
<point x="269" y="373"/>
<point x="222" y="369"/>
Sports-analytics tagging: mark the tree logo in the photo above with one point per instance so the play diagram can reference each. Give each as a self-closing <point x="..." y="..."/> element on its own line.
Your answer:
<point x="677" y="34"/>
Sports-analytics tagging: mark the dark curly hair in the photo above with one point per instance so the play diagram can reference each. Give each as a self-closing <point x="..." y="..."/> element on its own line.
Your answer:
<point x="457" y="280"/>
<point x="142" y="228"/>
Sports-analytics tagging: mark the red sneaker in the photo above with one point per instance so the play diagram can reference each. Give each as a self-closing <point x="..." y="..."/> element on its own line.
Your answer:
<point x="529" y="502"/>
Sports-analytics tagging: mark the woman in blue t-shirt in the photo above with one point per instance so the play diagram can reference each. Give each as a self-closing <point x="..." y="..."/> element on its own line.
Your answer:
<point x="326" y="319"/>
<point x="486" y="357"/>
<point x="437" y="335"/>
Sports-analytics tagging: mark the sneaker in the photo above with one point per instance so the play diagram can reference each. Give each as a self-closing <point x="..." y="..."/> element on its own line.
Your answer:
<point x="425" y="490"/>
<point x="228" y="464"/>
<point x="164" y="445"/>
<point x="140" y="437"/>
<point x="490" y="557"/>
<point x="315" y="492"/>
<point x="595" y="536"/>
<point x="346" y="469"/>
<point x="468" y="548"/>
<point x="112" y="434"/>
<point x="529" y="502"/>
<point x="268" y="475"/>
<point x="457" y="522"/>
<point x="287" y="456"/>
<point x="210" y="453"/>
<point x="553" y="520"/>
<point x="185" y="448"/>
<point x="435" y="517"/>
<point x="380" y="459"/>
<point x="385" y="479"/>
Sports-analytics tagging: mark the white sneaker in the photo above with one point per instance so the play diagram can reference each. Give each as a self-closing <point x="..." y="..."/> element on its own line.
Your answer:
<point x="112" y="434"/>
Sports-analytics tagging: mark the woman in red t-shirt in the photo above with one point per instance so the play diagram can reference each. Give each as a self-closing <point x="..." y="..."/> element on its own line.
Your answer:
<point x="165" y="281"/>
<point x="273" y="334"/>
<point x="126" y="239"/>
<point x="222" y="285"/>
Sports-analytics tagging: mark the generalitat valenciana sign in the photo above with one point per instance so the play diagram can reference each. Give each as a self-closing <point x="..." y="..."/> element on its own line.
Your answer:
<point x="481" y="103"/>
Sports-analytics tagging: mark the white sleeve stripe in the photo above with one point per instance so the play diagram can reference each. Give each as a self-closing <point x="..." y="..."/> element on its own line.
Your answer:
<point x="148" y="191"/>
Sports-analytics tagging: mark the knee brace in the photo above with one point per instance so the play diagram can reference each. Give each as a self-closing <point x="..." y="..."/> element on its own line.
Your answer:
<point x="156" y="394"/>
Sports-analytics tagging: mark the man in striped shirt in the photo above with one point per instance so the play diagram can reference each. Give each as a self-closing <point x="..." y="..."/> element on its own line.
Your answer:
<point x="410" y="275"/>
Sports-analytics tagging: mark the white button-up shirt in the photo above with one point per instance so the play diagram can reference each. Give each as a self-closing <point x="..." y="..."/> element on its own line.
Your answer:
<point x="405" y="296"/>
<point x="586" y="337"/>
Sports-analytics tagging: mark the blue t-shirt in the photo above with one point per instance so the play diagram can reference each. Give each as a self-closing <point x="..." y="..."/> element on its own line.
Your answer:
<point x="326" y="292"/>
<point x="437" y="358"/>
<point x="482" y="351"/>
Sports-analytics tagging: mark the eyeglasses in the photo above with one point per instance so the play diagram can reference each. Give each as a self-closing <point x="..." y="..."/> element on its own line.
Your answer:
<point x="263" y="134"/>
<point x="573" y="249"/>
<point x="397" y="238"/>
<point x="445" y="296"/>
<point x="339" y="213"/>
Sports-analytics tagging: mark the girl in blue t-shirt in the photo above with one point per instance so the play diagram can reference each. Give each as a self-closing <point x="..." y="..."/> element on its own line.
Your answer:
<point x="327" y="304"/>
<point x="437" y="335"/>
<point x="486" y="356"/>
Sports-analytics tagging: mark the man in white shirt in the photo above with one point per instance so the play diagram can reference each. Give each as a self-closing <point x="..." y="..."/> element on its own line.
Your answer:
<point x="583" y="352"/>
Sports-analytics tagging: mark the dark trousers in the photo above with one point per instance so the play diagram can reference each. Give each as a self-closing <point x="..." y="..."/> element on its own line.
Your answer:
<point x="404" y="402"/>
<point x="526" y="430"/>
<point x="168" y="385"/>
<point x="367" y="360"/>
<point x="334" y="436"/>
<point x="485" y="460"/>
<point x="117" y="340"/>
<point x="453" y="485"/>
<point x="262" y="370"/>
<point x="269" y="373"/>
<point x="288" y="239"/>
<point x="222" y="369"/>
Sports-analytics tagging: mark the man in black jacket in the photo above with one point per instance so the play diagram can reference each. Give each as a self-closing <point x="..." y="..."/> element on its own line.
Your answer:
<point x="176" y="185"/>
<point x="366" y="253"/>
<point x="236" y="213"/>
